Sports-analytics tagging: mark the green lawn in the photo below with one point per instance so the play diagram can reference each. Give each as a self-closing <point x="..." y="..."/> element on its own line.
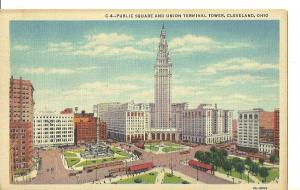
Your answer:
<point x="70" y="154"/>
<point x="152" y="147"/>
<point x="236" y="174"/>
<point x="78" y="150"/>
<point x="273" y="173"/>
<point x="173" y="144"/>
<point x="120" y="152"/>
<point x="72" y="161"/>
<point x="99" y="161"/>
<point x="167" y="147"/>
<point x="146" y="179"/>
<point x="171" y="148"/>
<point x="171" y="179"/>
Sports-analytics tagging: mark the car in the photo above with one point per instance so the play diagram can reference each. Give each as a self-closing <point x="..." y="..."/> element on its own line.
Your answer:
<point x="72" y="174"/>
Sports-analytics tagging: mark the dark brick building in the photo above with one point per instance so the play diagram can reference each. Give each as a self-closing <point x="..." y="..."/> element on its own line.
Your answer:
<point x="85" y="128"/>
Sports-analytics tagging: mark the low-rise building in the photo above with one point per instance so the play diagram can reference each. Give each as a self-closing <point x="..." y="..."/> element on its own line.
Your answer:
<point x="207" y="124"/>
<point x="266" y="148"/>
<point x="53" y="129"/>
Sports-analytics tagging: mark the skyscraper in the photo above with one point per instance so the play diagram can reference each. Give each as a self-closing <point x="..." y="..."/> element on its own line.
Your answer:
<point x="163" y="74"/>
<point x="21" y="115"/>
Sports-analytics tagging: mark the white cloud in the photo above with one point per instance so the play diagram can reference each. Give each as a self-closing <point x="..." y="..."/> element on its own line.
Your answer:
<point x="60" y="47"/>
<point x="237" y="64"/>
<point x="239" y="79"/>
<point x="106" y="39"/>
<point x="56" y="71"/>
<point x="148" y="42"/>
<point x="21" y="47"/>
<point x="125" y="52"/>
<point x="196" y="43"/>
<point x="103" y="88"/>
<point x="144" y="78"/>
<point x="43" y="70"/>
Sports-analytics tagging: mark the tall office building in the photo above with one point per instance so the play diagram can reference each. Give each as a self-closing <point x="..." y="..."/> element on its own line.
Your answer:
<point x="256" y="130"/>
<point x="163" y="75"/>
<point x="248" y="129"/>
<point x="21" y="115"/>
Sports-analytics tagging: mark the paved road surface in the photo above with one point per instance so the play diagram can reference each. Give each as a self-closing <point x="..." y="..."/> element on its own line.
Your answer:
<point x="52" y="170"/>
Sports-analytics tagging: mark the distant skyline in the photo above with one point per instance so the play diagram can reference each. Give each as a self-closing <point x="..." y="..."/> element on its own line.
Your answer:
<point x="234" y="64"/>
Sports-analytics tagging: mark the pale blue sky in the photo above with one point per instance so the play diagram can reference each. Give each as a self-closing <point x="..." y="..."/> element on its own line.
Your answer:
<point x="81" y="63"/>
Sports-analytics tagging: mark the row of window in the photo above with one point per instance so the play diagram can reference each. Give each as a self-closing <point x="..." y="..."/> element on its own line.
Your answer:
<point x="250" y="116"/>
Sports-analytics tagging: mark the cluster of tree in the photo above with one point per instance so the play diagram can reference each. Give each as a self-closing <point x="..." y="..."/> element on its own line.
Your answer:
<point x="219" y="158"/>
<point x="274" y="159"/>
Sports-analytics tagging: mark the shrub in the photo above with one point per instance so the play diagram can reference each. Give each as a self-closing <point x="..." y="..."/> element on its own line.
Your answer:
<point x="185" y="182"/>
<point x="151" y="173"/>
<point x="170" y="175"/>
<point x="138" y="180"/>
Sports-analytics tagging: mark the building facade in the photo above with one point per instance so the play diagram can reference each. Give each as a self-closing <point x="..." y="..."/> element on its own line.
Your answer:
<point x="234" y="131"/>
<point x="85" y="128"/>
<point x="266" y="148"/>
<point x="207" y="125"/>
<point x="163" y="75"/>
<point x="248" y="129"/>
<point x="21" y="105"/>
<point x="256" y="129"/>
<point x="100" y="108"/>
<point x="128" y="122"/>
<point x="102" y="131"/>
<point x="53" y="129"/>
<point x="276" y="131"/>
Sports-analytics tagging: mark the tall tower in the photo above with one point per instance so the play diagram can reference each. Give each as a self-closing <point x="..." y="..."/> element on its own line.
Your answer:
<point x="162" y="77"/>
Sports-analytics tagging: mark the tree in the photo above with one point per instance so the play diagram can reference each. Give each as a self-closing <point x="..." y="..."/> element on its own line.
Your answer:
<point x="261" y="161"/>
<point x="235" y="161"/>
<point x="273" y="159"/>
<point x="207" y="157"/>
<point x="227" y="166"/>
<point x="240" y="167"/>
<point x="213" y="149"/>
<point x="248" y="161"/>
<point x="254" y="168"/>
<point x="264" y="172"/>
<point x="224" y="152"/>
<point x="199" y="155"/>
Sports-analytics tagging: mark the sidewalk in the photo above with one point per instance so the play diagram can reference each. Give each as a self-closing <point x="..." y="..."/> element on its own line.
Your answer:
<point x="229" y="178"/>
<point x="160" y="176"/>
<point x="27" y="177"/>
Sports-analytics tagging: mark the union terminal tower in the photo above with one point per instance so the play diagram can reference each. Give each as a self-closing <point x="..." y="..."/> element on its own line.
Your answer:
<point x="165" y="116"/>
<point x="162" y="92"/>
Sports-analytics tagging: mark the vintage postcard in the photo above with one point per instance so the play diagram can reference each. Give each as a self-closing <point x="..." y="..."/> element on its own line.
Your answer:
<point x="143" y="99"/>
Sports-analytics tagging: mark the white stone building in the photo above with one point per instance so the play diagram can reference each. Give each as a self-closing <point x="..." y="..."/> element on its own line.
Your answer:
<point x="207" y="124"/>
<point x="53" y="129"/>
<point x="128" y="122"/>
<point x="266" y="147"/>
<point x="100" y="108"/>
<point x="248" y="129"/>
